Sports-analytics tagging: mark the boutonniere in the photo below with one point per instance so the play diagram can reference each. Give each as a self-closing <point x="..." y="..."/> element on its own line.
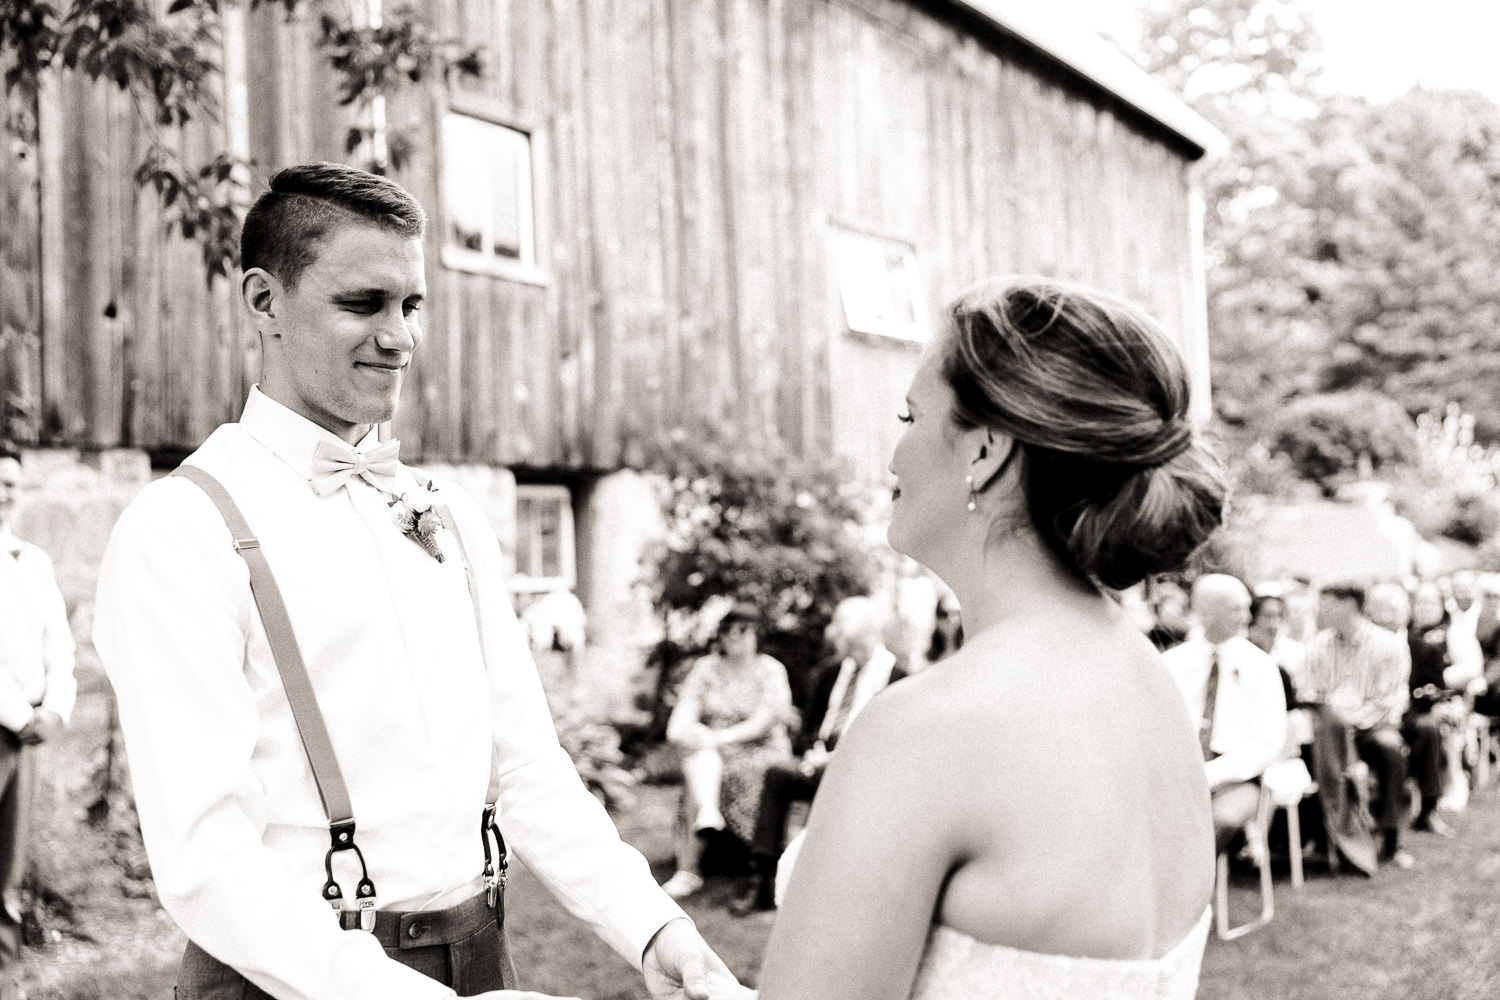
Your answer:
<point x="418" y="518"/>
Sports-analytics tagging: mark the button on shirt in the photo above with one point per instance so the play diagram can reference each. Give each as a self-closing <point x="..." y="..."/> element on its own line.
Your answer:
<point x="228" y="807"/>
<point x="1249" y="727"/>
<point x="36" y="644"/>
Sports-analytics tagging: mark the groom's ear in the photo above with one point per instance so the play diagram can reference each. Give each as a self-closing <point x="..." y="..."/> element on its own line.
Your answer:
<point x="991" y="453"/>
<point x="259" y="291"/>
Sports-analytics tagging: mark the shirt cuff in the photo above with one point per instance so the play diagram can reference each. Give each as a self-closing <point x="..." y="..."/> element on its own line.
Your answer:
<point x="653" y="914"/>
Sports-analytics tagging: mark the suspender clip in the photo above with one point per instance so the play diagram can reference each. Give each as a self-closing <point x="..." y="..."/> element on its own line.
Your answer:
<point x="367" y="914"/>
<point x="341" y="834"/>
<point x="494" y="875"/>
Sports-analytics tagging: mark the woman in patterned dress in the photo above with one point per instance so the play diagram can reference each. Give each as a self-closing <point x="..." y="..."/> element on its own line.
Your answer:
<point x="730" y="724"/>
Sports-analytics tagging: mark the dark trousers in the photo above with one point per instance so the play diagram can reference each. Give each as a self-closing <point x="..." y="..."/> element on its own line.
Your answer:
<point x="462" y="947"/>
<point x="17" y="786"/>
<point x="784" y="784"/>
<point x="1424" y="734"/>
<point x="1384" y="750"/>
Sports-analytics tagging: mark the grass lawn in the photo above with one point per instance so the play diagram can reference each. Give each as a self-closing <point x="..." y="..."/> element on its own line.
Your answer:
<point x="1428" y="933"/>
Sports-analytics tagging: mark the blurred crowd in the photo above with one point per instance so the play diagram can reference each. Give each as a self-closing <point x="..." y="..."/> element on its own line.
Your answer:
<point x="1389" y="694"/>
<point x="1369" y="707"/>
<point x="749" y="754"/>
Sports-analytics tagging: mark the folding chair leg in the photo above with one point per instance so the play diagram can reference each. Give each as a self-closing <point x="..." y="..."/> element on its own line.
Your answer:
<point x="1294" y="843"/>
<point x="1221" y="890"/>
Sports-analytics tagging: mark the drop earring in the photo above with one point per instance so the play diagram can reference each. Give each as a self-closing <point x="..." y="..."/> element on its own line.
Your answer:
<point x="969" y="480"/>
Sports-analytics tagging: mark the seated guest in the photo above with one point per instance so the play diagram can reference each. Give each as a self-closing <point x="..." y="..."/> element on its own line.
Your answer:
<point x="730" y="724"/>
<point x="1267" y="630"/>
<point x="1357" y="671"/>
<point x="1431" y="661"/>
<point x="1169" y="606"/>
<point x="1235" y="690"/>
<point x="1465" y="606"/>
<point x="1388" y="605"/>
<point x="861" y="666"/>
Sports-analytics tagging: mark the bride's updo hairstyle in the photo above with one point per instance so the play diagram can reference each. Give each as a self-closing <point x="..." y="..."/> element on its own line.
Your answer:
<point x="1096" y="397"/>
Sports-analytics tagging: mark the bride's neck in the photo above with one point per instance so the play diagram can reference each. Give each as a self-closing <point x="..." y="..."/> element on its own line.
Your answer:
<point x="1014" y="577"/>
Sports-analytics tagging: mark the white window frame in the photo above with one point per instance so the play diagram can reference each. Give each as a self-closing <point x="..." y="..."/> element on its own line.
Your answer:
<point x="527" y="267"/>
<point x="562" y="498"/>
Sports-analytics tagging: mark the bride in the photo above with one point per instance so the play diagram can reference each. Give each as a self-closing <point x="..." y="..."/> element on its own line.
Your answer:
<point x="1028" y="817"/>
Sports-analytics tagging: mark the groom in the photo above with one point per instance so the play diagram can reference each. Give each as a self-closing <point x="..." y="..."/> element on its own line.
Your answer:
<point x="417" y="676"/>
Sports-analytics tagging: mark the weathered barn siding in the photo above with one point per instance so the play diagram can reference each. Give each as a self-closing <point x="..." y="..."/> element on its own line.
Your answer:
<point x="692" y="156"/>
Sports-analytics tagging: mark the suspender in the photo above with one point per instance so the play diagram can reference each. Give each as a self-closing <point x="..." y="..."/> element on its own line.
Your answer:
<point x="332" y="790"/>
<point x="493" y="879"/>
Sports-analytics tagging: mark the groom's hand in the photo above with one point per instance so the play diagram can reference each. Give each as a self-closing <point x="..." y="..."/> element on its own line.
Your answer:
<point x="679" y="965"/>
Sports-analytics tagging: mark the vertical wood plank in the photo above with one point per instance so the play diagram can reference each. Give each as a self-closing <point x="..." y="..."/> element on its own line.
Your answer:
<point x="20" y="281"/>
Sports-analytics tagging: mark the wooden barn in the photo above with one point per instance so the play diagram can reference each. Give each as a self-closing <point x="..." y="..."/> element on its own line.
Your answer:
<point x="646" y="215"/>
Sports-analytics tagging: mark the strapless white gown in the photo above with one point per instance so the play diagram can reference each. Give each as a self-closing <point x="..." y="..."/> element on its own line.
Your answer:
<point x="958" y="967"/>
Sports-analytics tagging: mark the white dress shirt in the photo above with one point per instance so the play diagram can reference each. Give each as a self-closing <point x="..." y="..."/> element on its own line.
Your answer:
<point x="232" y="819"/>
<point x="875" y="675"/>
<point x="1249" y="730"/>
<point x="36" y="644"/>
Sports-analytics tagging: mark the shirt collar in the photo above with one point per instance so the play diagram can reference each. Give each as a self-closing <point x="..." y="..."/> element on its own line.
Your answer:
<point x="9" y="543"/>
<point x="289" y="435"/>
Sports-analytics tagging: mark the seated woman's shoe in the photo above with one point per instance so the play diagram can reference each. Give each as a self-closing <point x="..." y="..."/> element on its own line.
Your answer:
<point x="682" y="884"/>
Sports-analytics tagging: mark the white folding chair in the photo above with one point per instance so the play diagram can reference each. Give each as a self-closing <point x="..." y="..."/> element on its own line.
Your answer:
<point x="1256" y="839"/>
<point x="1288" y="783"/>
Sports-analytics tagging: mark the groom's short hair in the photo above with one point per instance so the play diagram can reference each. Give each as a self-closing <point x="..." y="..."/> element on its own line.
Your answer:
<point x="287" y="226"/>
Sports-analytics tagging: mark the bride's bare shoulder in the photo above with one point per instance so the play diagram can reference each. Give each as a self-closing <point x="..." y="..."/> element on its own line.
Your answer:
<point x="977" y="685"/>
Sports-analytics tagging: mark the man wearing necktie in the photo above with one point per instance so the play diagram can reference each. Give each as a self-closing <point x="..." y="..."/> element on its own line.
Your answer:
<point x="1234" y="690"/>
<point x="36" y="699"/>
<point x="861" y="666"/>
<point x="395" y="593"/>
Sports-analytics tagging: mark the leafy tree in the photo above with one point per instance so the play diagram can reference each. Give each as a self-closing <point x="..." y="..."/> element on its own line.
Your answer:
<point x="1409" y="222"/>
<point x="1252" y="67"/>
<point x="168" y="65"/>
<point x="1225" y="55"/>
<point x="1349" y="245"/>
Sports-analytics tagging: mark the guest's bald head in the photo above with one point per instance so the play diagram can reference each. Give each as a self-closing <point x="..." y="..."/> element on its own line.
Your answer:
<point x="1221" y="606"/>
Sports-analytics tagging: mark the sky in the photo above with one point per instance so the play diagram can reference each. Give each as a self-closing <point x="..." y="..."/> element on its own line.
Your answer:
<point x="1378" y="48"/>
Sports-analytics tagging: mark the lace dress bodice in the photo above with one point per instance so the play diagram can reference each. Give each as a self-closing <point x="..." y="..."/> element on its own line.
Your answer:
<point x="958" y="967"/>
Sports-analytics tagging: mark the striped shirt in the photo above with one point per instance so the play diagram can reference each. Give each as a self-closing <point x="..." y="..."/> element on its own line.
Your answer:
<point x="1363" y="676"/>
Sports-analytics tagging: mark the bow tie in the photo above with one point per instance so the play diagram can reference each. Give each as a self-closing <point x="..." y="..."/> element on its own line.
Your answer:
<point x="333" y="464"/>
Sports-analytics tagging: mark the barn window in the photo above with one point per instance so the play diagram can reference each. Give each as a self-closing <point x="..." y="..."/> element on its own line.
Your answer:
<point x="880" y="285"/>
<point x="489" y="202"/>
<point x="544" y="538"/>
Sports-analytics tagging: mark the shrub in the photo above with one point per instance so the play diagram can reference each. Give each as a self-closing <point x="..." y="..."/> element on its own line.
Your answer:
<point x="776" y="531"/>
<point x="1335" y="438"/>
